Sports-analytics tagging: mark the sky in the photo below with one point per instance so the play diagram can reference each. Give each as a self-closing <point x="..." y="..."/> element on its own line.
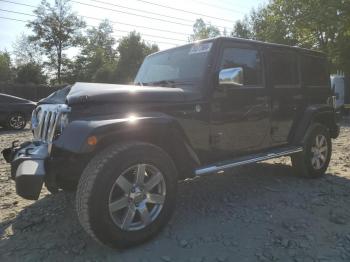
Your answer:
<point x="171" y="21"/>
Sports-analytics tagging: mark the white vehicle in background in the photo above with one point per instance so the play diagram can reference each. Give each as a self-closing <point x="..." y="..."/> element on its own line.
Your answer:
<point x="341" y="91"/>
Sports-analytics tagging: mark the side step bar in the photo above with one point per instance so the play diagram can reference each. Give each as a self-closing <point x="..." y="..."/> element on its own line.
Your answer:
<point x="240" y="161"/>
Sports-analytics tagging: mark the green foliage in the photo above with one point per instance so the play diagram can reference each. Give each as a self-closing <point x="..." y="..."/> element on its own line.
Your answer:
<point x="56" y="28"/>
<point x="30" y="73"/>
<point x="5" y="67"/>
<point x="132" y="51"/>
<point x="97" y="60"/>
<point x="319" y="24"/>
<point x="26" y="51"/>
<point x="201" y="30"/>
<point x="242" y="29"/>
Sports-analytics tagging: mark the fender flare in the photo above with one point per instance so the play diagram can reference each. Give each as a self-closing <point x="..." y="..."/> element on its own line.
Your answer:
<point x="323" y="114"/>
<point x="163" y="129"/>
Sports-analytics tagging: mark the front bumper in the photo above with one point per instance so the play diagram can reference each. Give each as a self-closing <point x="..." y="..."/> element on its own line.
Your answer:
<point x="27" y="167"/>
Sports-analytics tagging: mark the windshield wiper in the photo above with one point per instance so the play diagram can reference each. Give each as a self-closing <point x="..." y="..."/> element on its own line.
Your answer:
<point x="168" y="83"/>
<point x="141" y="84"/>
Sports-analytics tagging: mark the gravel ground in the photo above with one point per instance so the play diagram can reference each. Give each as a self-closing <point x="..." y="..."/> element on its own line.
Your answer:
<point x="258" y="213"/>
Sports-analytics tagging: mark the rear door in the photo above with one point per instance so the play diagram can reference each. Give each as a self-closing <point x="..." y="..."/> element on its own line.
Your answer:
<point x="240" y="114"/>
<point x="287" y="98"/>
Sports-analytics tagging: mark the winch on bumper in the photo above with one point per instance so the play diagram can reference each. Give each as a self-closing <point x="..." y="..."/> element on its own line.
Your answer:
<point x="27" y="167"/>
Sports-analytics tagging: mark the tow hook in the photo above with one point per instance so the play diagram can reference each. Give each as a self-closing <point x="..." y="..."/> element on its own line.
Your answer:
<point x="9" y="152"/>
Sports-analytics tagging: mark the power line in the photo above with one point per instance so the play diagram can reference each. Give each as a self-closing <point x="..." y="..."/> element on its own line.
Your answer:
<point x="140" y="10"/>
<point x="147" y="40"/>
<point x="133" y="14"/>
<point x="184" y="11"/>
<point x="144" y="16"/>
<point x="113" y="22"/>
<point x="143" y="35"/>
<point x="152" y="41"/>
<point x="147" y="35"/>
<point x="182" y="19"/>
<point x="15" y="12"/>
<point x="218" y="7"/>
<point x="115" y="10"/>
<point x="140" y="26"/>
<point x="14" y="19"/>
<point x="18" y="3"/>
<point x="118" y="30"/>
<point x="128" y="13"/>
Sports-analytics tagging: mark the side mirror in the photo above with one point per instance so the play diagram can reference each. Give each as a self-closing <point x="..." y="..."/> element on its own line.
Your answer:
<point x="231" y="76"/>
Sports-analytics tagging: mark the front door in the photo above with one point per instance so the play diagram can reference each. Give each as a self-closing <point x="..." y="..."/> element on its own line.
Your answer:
<point x="240" y="114"/>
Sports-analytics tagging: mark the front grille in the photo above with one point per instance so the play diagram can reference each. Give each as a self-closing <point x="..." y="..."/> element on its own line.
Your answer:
<point x="45" y="119"/>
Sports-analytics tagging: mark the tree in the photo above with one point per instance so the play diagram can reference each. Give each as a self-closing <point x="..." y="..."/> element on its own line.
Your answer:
<point x="26" y="51"/>
<point x="98" y="58"/>
<point x="201" y="30"/>
<point x="242" y="29"/>
<point x="132" y="51"/>
<point x="30" y="73"/>
<point x="56" y="28"/>
<point x="268" y="24"/>
<point x="319" y="24"/>
<point x="29" y="61"/>
<point x="5" y="67"/>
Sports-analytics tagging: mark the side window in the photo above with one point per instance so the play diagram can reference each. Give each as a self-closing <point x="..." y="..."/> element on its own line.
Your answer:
<point x="283" y="69"/>
<point x="248" y="59"/>
<point x="314" y="71"/>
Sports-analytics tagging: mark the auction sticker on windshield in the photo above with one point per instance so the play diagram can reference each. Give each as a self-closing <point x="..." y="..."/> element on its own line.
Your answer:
<point x="200" y="48"/>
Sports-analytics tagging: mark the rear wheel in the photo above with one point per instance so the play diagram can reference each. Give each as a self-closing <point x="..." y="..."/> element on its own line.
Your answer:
<point x="127" y="194"/>
<point x="16" y="121"/>
<point x="314" y="160"/>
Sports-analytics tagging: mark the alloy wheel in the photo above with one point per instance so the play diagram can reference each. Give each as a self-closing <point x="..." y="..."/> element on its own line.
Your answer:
<point x="137" y="197"/>
<point x="16" y="122"/>
<point x="319" y="151"/>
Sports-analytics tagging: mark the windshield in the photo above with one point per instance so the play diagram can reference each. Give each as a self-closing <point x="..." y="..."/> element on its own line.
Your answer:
<point x="176" y="65"/>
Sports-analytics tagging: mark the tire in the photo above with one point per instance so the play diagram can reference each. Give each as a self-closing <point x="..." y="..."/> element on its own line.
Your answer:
<point x="107" y="179"/>
<point x="16" y="121"/>
<point x="67" y="185"/>
<point x="314" y="160"/>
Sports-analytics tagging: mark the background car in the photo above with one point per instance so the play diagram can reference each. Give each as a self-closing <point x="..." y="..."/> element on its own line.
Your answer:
<point x="15" y="112"/>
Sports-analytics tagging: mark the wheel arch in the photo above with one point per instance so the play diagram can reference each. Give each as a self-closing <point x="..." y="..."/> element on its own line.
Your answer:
<point x="164" y="132"/>
<point x="321" y="114"/>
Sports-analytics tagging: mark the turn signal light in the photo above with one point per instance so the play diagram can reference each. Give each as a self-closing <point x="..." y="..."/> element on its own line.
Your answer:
<point x="92" y="140"/>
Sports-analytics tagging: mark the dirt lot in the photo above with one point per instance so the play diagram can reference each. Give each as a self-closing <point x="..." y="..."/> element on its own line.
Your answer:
<point x="258" y="213"/>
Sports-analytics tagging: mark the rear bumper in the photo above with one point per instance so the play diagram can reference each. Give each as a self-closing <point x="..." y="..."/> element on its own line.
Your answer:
<point x="27" y="168"/>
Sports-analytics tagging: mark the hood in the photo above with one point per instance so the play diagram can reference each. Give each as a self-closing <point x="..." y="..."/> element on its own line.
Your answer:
<point x="94" y="92"/>
<point x="58" y="97"/>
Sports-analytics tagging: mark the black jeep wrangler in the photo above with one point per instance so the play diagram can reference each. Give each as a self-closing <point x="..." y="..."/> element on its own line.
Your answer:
<point x="198" y="109"/>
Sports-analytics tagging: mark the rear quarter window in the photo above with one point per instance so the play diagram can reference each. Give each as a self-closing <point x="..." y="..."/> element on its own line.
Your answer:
<point x="314" y="71"/>
<point x="283" y="69"/>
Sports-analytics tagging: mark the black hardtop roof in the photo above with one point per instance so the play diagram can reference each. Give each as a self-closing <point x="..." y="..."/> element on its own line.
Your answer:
<point x="254" y="42"/>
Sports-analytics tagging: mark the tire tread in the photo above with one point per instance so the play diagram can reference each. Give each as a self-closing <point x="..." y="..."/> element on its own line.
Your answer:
<point x="87" y="180"/>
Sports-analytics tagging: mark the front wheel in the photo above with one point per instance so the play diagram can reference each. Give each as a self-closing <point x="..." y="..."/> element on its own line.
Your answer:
<point x="314" y="160"/>
<point x="127" y="194"/>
